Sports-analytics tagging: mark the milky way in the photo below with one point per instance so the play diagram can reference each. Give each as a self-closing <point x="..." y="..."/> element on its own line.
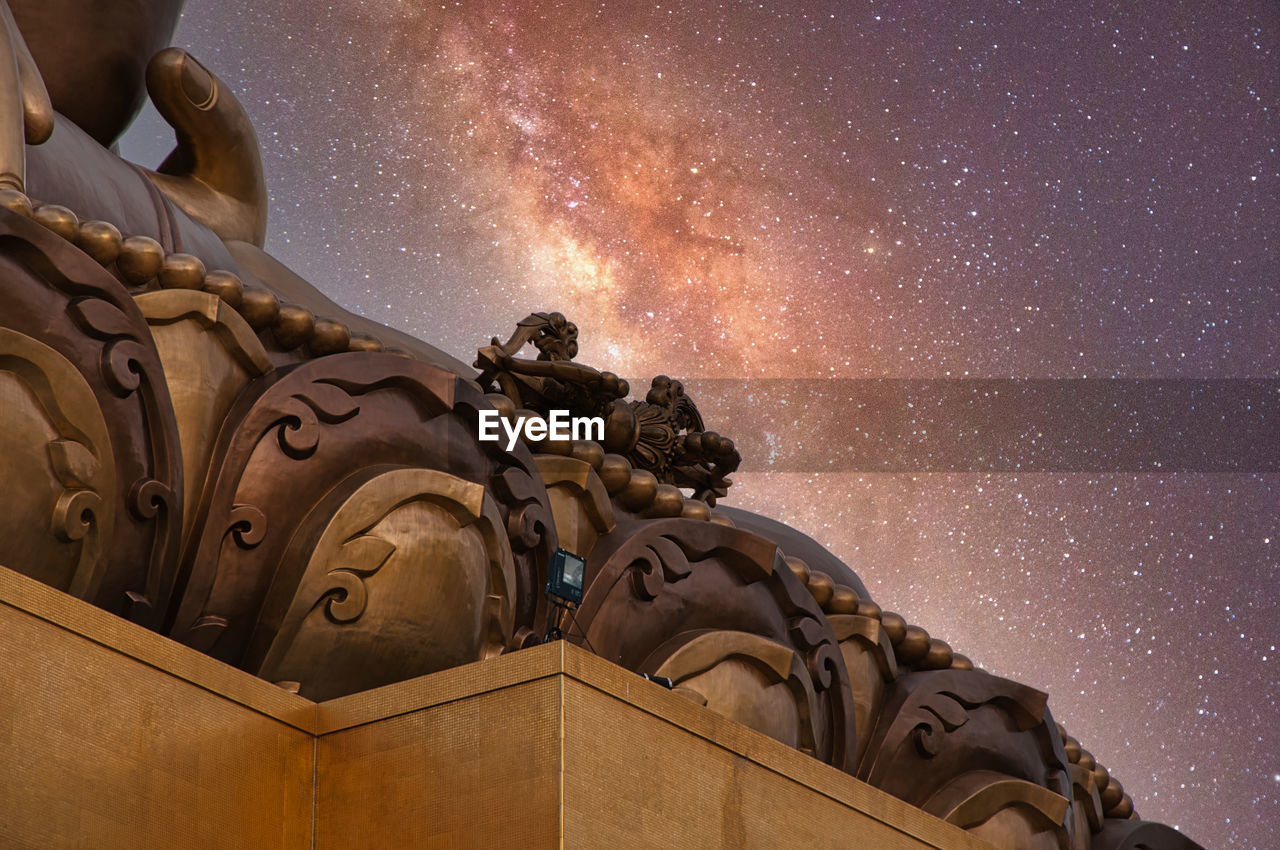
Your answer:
<point x="849" y="191"/>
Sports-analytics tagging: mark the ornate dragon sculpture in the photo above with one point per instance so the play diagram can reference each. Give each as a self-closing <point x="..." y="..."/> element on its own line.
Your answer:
<point x="663" y="434"/>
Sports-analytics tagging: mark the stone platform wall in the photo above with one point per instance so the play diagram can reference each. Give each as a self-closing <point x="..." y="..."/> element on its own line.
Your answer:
<point x="112" y="736"/>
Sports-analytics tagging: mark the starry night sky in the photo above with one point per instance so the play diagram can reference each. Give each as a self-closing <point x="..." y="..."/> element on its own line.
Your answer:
<point x="855" y="190"/>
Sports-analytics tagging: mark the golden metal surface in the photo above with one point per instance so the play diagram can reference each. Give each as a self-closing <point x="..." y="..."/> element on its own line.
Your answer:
<point x="140" y="259"/>
<point x="758" y="682"/>
<point x="215" y="173"/>
<point x="579" y="502"/>
<point x="59" y="219"/>
<point x="27" y="114"/>
<point x="101" y="240"/>
<point x="58" y="506"/>
<point x="868" y="655"/>
<point x="91" y="56"/>
<point x="1007" y="812"/>
<point x="209" y="354"/>
<point x="407" y="541"/>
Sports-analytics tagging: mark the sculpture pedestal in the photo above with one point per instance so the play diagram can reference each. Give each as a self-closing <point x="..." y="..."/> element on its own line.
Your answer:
<point x="113" y="736"/>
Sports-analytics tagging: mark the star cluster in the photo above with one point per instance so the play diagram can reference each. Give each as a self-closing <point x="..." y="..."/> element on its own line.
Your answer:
<point x="781" y="190"/>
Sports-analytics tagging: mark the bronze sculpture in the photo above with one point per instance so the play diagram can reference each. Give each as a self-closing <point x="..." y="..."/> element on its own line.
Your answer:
<point x="197" y="440"/>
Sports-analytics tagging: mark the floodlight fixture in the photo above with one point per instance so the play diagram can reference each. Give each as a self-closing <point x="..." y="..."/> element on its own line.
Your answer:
<point x="565" y="577"/>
